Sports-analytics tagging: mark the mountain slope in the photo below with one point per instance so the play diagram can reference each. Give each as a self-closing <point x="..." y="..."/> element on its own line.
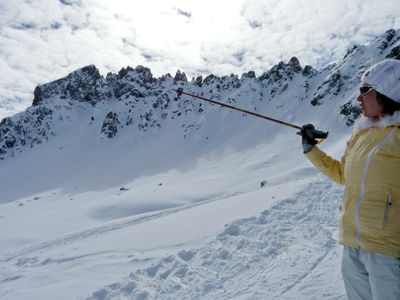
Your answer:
<point x="112" y="186"/>
<point x="82" y="117"/>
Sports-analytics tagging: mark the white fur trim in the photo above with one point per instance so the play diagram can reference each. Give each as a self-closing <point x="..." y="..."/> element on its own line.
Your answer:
<point x="365" y="123"/>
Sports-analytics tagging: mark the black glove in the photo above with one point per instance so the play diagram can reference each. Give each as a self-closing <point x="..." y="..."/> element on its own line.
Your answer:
<point x="309" y="136"/>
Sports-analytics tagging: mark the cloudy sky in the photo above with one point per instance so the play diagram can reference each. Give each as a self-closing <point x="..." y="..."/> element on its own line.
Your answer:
<point x="43" y="40"/>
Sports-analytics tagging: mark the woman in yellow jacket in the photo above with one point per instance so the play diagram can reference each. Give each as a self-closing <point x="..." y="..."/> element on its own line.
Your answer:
<point x="370" y="171"/>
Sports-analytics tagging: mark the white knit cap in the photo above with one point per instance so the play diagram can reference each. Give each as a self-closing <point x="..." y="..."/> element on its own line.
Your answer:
<point x="384" y="77"/>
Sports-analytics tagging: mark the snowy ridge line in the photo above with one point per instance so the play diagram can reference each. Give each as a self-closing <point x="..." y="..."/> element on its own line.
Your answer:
<point x="109" y="226"/>
<point x="286" y="252"/>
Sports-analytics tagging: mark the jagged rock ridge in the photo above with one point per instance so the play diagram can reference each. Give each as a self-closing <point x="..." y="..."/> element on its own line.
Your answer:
<point x="134" y="99"/>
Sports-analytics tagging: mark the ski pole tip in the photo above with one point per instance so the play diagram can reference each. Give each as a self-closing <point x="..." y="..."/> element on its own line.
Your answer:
<point x="179" y="91"/>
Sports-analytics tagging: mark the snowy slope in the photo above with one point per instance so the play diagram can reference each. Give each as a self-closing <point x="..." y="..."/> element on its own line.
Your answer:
<point x="113" y="188"/>
<point x="292" y="219"/>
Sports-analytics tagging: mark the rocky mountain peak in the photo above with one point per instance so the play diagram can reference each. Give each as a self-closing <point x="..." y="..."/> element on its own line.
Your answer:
<point x="140" y="74"/>
<point x="282" y="71"/>
<point x="134" y="100"/>
<point x="83" y="85"/>
<point x="294" y="65"/>
<point x="250" y="74"/>
<point x="180" y="76"/>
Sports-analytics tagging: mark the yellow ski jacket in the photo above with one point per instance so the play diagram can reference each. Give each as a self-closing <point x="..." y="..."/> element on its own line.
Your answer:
<point x="370" y="172"/>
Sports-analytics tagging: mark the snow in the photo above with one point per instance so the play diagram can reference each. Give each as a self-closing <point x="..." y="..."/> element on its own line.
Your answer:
<point x="188" y="226"/>
<point x="207" y="230"/>
<point x="212" y="205"/>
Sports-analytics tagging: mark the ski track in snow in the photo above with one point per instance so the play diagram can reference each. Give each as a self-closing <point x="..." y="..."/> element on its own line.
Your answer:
<point x="104" y="228"/>
<point x="281" y="254"/>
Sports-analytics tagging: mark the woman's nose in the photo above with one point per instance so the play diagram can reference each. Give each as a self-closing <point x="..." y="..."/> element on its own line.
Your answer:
<point x="359" y="98"/>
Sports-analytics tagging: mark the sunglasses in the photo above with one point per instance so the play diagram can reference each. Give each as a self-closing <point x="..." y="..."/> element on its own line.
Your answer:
<point x="365" y="89"/>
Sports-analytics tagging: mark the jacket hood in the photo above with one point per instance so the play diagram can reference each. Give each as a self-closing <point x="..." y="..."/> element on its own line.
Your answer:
<point x="363" y="122"/>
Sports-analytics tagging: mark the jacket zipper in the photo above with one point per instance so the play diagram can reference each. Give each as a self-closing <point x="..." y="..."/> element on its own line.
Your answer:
<point x="360" y="198"/>
<point x="388" y="203"/>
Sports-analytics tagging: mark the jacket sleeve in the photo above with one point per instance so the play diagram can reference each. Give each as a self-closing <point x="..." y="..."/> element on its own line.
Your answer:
<point x="329" y="166"/>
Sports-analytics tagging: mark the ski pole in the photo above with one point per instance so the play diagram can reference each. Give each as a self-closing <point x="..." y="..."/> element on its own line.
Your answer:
<point x="180" y="92"/>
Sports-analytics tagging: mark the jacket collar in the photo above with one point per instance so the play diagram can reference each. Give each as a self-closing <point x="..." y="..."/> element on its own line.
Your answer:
<point x="363" y="123"/>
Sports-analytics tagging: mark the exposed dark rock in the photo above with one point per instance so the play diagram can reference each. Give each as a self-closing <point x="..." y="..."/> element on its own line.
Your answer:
<point x="122" y="73"/>
<point x="388" y="36"/>
<point x="180" y="76"/>
<point x="165" y="78"/>
<point x="9" y="141"/>
<point x="330" y="86"/>
<point x="132" y="82"/>
<point x="394" y="53"/>
<point x="144" y="74"/>
<point x="282" y="72"/>
<point x="42" y="112"/>
<point x="210" y="79"/>
<point x="228" y="82"/>
<point x="198" y="81"/>
<point x="263" y="183"/>
<point x="83" y="85"/>
<point x="294" y="65"/>
<point x="351" y="112"/>
<point x="5" y="125"/>
<point x="350" y="52"/>
<point x="110" y="125"/>
<point x="37" y="96"/>
<point x="250" y="74"/>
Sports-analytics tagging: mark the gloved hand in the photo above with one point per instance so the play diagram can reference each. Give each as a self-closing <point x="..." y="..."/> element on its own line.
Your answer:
<point x="309" y="135"/>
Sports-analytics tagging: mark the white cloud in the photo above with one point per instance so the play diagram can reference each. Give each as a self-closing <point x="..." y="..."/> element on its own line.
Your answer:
<point x="43" y="40"/>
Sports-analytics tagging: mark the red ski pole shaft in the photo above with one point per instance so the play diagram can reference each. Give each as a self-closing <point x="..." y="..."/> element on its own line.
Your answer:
<point x="180" y="92"/>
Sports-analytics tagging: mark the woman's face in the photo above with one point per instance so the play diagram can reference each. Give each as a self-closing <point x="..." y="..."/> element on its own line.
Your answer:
<point x="370" y="106"/>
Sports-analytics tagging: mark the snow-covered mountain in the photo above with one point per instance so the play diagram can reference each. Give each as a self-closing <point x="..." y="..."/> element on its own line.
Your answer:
<point x="121" y="188"/>
<point x="136" y="101"/>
